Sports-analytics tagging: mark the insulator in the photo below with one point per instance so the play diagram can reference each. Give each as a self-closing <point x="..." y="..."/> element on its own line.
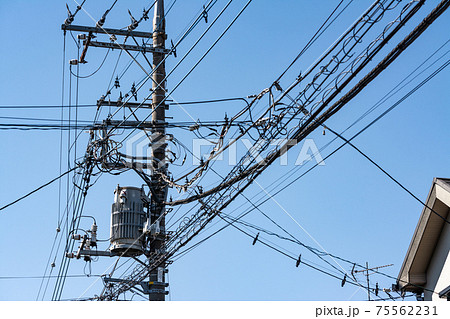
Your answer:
<point x="70" y="255"/>
<point x="116" y="83"/>
<point x="133" y="91"/>
<point x="81" y="36"/>
<point x="93" y="240"/>
<point x="174" y="49"/>
<point x="76" y="236"/>
<point x="100" y="22"/>
<point x="194" y="127"/>
<point x="73" y="62"/>
<point x="205" y="14"/>
<point x="277" y="86"/>
<point x="134" y="24"/>
<point x="70" y="16"/>
<point x="145" y="15"/>
<point x="344" y="280"/>
<point x="69" y="20"/>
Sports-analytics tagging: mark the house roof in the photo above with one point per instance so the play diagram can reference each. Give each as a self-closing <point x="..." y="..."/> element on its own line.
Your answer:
<point x="445" y="293"/>
<point x="413" y="274"/>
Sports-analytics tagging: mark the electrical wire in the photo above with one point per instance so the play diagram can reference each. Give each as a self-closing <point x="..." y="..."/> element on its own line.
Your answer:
<point x="316" y="36"/>
<point x="437" y="71"/>
<point x="180" y="83"/>
<point x="94" y="72"/>
<point x="44" y="277"/>
<point x="388" y="95"/>
<point x="37" y="189"/>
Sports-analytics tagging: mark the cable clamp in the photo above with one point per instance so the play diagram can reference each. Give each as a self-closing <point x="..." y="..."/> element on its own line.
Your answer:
<point x="256" y="239"/>
<point x="299" y="260"/>
<point x="344" y="280"/>
<point x="205" y="14"/>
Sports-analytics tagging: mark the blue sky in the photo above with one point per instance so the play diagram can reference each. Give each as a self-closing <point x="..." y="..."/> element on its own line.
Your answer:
<point x="346" y="207"/>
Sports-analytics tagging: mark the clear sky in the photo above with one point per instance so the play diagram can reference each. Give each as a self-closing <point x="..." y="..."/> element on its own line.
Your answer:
<point x="346" y="207"/>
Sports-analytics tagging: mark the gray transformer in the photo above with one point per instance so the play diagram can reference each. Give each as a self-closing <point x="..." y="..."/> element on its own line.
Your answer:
<point x="127" y="220"/>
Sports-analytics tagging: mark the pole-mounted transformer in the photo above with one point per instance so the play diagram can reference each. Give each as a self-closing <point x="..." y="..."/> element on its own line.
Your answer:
<point x="127" y="221"/>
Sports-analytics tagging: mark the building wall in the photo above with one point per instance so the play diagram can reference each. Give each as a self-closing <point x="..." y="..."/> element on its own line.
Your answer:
<point x="438" y="273"/>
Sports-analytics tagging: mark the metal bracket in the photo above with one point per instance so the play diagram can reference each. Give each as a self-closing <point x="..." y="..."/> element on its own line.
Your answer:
<point x="128" y="47"/>
<point x="144" y="284"/>
<point x="107" y="31"/>
<point x="120" y="104"/>
<point x="84" y="252"/>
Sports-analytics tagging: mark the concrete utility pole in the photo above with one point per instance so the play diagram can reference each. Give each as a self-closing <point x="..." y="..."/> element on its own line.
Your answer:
<point x="157" y="276"/>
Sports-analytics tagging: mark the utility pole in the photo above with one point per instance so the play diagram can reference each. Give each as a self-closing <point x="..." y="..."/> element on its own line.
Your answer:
<point x="158" y="145"/>
<point x="366" y="271"/>
<point x="368" y="282"/>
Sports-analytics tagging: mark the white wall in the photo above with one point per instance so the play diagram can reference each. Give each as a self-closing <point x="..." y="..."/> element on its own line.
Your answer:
<point x="438" y="273"/>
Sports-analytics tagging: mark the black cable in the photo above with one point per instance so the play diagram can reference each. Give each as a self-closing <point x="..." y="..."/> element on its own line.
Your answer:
<point x="296" y="258"/>
<point x="211" y="101"/>
<point x="315" y="37"/>
<point x="387" y="174"/>
<point x="78" y="206"/>
<point x="315" y="119"/>
<point x="39" y="188"/>
<point x="44" y="277"/>
<point x="361" y="131"/>
<point x="41" y="106"/>
<point x="377" y="104"/>
<point x="234" y="196"/>
<point x="95" y="105"/>
<point x="443" y="66"/>
<point x="60" y="161"/>
<point x="62" y="226"/>
<point x="94" y="72"/>
<point x="36" y="119"/>
<point x="190" y="50"/>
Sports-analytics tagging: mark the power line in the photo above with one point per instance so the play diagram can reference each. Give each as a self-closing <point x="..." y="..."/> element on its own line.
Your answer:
<point x="318" y="33"/>
<point x="44" y="277"/>
<point x="389" y="175"/>
<point x="296" y="258"/>
<point x="39" y="188"/>
<point x="375" y="106"/>
<point x="95" y="105"/>
<point x="437" y="71"/>
<point x="402" y="99"/>
<point x="78" y="204"/>
<point x="94" y="72"/>
<point x="41" y="106"/>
